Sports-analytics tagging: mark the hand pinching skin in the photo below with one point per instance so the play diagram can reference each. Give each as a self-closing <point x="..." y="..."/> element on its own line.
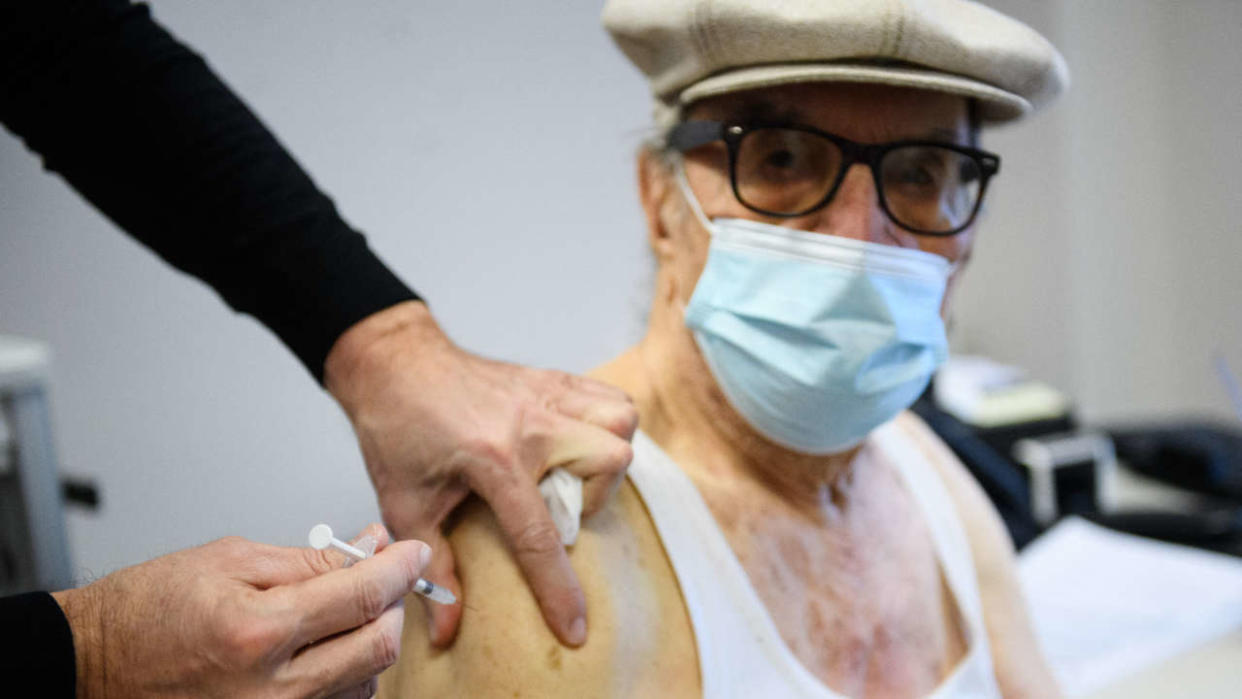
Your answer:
<point x="436" y="423"/>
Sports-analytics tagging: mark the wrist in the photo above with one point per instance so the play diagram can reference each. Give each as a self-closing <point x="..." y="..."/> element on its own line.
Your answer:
<point x="371" y="345"/>
<point x="83" y="610"/>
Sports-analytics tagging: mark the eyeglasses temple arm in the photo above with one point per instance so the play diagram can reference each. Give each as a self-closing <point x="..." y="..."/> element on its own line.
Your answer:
<point x="689" y="135"/>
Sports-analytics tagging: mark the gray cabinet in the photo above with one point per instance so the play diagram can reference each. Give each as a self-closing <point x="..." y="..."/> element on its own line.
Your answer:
<point x="34" y="551"/>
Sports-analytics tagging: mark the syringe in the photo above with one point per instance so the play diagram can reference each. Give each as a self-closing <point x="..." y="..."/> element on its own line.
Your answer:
<point x="321" y="538"/>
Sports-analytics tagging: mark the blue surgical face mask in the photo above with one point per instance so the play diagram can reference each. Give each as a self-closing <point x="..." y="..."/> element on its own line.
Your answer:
<point x="815" y="339"/>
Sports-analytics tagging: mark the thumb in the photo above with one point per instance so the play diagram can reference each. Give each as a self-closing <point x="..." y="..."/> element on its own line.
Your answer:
<point x="265" y="566"/>
<point x="442" y="619"/>
<point x="372" y="539"/>
<point x="593" y="454"/>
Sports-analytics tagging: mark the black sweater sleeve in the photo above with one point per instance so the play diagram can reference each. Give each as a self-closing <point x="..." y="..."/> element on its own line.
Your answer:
<point x="36" y="648"/>
<point x="138" y="124"/>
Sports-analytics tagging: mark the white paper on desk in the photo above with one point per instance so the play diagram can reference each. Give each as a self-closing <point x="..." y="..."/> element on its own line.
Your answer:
<point x="1106" y="605"/>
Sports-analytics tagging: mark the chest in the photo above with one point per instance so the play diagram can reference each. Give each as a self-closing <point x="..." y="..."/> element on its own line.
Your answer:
<point x="860" y="601"/>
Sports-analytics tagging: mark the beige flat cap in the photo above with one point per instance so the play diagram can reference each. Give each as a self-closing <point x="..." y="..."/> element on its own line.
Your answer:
<point x="691" y="49"/>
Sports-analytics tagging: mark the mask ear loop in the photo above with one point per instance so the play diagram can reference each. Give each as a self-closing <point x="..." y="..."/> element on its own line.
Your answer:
<point x="679" y="173"/>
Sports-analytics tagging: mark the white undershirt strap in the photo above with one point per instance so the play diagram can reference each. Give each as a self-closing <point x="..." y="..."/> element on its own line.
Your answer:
<point x="741" y="652"/>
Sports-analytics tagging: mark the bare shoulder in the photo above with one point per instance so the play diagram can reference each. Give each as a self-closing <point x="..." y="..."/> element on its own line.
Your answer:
<point x="1018" y="661"/>
<point x="639" y="641"/>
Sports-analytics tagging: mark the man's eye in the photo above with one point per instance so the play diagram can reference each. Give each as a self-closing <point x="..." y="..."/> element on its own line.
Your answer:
<point x="922" y="172"/>
<point x="780" y="159"/>
<point x="916" y="176"/>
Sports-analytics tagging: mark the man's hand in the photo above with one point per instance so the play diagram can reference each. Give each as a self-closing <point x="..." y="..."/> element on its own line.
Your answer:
<point x="435" y="423"/>
<point x="238" y="619"/>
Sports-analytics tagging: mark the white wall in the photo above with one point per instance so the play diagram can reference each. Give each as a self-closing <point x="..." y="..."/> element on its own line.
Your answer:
<point x="486" y="149"/>
<point x="1157" y="211"/>
<point x="1012" y="304"/>
<point x="1110" y="261"/>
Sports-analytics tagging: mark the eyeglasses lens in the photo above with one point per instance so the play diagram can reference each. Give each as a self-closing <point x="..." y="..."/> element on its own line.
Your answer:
<point x="786" y="171"/>
<point x="930" y="188"/>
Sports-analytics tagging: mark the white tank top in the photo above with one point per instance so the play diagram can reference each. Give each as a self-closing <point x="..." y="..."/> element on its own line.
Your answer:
<point x="741" y="652"/>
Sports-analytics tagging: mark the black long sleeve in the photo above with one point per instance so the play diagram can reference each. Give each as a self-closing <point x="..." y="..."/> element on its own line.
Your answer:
<point x="36" y="648"/>
<point x="139" y="125"/>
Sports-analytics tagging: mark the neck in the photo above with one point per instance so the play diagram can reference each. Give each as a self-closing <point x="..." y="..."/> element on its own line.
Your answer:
<point x="683" y="409"/>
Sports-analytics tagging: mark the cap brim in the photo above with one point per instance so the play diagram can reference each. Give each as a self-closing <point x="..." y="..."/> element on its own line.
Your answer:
<point x="996" y="105"/>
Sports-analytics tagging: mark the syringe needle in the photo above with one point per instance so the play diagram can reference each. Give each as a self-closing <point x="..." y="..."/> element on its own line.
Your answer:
<point x="434" y="592"/>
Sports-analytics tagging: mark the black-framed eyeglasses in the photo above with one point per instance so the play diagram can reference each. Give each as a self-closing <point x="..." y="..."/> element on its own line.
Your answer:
<point x="787" y="170"/>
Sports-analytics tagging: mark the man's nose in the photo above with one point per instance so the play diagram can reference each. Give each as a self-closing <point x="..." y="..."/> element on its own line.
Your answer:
<point x="855" y="210"/>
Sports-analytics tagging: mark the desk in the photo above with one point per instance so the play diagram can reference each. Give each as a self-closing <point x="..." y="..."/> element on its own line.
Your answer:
<point x="1123" y="616"/>
<point x="1211" y="670"/>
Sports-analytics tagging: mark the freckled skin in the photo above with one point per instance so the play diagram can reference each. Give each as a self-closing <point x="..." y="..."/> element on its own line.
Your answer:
<point x="834" y="545"/>
<point x="861" y="602"/>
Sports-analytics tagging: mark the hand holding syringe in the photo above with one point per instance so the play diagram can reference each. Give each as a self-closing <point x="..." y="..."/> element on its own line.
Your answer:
<point x="321" y="538"/>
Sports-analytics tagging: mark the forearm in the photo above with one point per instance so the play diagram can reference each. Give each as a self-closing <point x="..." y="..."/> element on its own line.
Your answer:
<point x="367" y="348"/>
<point x="139" y="125"/>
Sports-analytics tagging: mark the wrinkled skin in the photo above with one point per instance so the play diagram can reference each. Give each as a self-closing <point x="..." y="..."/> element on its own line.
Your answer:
<point x="238" y="619"/>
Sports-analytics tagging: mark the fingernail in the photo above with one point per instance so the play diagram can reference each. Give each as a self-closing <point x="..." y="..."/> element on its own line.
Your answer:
<point x="424" y="556"/>
<point x="577" y="632"/>
<point x="367" y="544"/>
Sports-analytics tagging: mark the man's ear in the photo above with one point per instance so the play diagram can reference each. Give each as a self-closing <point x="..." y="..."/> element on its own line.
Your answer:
<point x="653" y="193"/>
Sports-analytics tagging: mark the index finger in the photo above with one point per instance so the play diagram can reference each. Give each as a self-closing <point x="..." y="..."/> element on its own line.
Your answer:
<point x="536" y="544"/>
<point x="619" y="417"/>
<point x="347" y="598"/>
<point x="573" y="382"/>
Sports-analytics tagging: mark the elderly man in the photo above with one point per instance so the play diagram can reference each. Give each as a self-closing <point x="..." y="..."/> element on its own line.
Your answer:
<point x="786" y="529"/>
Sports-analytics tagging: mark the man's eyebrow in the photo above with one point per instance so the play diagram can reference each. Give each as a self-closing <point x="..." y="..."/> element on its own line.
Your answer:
<point x="758" y="110"/>
<point x="943" y="134"/>
<point x="764" y="111"/>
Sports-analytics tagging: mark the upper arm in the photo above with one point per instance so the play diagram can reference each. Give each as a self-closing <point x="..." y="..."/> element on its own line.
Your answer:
<point x="1017" y="659"/>
<point x="638" y="631"/>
